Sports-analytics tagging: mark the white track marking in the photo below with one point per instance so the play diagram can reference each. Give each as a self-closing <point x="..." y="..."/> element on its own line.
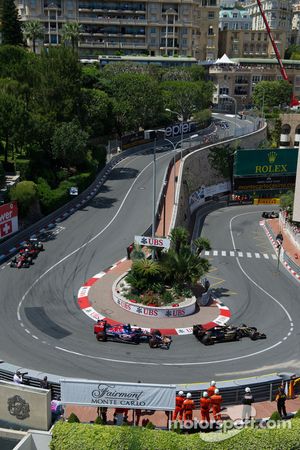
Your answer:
<point x="232" y="253"/>
<point x="240" y="254"/>
<point x="257" y="255"/>
<point x="215" y="252"/>
<point x="266" y="256"/>
<point x="249" y="255"/>
<point x="223" y="253"/>
<point x="86" y="243"/>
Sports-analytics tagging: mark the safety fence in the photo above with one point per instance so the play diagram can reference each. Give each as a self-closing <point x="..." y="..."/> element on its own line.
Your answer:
<point x="285" y="258"/>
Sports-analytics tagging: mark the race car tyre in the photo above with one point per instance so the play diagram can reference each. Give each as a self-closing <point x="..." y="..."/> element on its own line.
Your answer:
<point x="254" y="336"/>
<point x="152" y="343"/>
<point x="12" y="264"/>
<point x="40" y="247"/>
<point x="101" y="337"/>
<point x="238" y="336"/>
<point x="137" y="340"/>
<point x="206" y="340"/>
<point x="29" y="260"/>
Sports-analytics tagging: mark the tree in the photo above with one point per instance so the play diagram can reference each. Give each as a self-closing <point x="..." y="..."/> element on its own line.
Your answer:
<point x="137" y="101"/>
<point x="200" y="244"/>
<point x="185" y="97"/>
<point x="292" y="50"/>
<point x="94" y="111"/>
<point x="68" y="144"/>
<point x="179" y="238"/>
<point x="222" y="158"/>
<point x="71" y="33"/>
<point x="33" y="30"/>
<point x="25" y="193"/>
<point x="2" y="175"/>
<point x="11" y="31"/>
<point x="272" y="93"/>
<point x="13" y="118"/>
<point x="287" y="203"/>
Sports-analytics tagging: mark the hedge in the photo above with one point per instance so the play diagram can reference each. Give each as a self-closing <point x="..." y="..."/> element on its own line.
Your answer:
<point x="67" y="436"/>
<point x="52" y="199"/>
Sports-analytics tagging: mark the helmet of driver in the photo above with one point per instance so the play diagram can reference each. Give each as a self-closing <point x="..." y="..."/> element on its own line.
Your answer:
<point x="181" y="393"/>
<point x="247" y="390"/>
<point x="217" y="391"/>
<point x="213" y="383"/>
<point x="205" y="394"/>
<point x="188" y="395"/>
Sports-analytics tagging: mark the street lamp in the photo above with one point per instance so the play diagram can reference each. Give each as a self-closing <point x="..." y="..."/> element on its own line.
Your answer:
<point x="174" y="158"/>
<point x="235" y="108"/>
<point x="180" y="116"/>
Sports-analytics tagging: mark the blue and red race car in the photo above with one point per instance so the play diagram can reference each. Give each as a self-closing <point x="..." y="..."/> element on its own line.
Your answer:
<point x="119" y="333"/>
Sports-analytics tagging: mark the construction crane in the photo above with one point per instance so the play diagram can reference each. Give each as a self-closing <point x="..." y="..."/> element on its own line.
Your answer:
<point x="294" y="101"/>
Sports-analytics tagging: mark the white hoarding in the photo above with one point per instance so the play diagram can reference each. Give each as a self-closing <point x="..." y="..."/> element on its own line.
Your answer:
<point x="152" y="242"/>
<point x="118" y="395"/>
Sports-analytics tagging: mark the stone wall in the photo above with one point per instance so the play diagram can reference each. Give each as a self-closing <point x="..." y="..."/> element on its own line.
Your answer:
<point x="196" y="171"/>
<point x="25" y="406"/>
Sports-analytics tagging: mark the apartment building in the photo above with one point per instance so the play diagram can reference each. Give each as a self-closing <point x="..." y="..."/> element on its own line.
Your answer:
<point x="234" y="19"/>
<point x="131" y="27"/>
<point x="278" y="14"/>
<point x="250" y="43"/>
<point x="239" y="79"/>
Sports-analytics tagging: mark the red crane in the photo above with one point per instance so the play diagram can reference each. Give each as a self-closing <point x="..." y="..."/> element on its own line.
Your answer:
<point x="294" y="101"/>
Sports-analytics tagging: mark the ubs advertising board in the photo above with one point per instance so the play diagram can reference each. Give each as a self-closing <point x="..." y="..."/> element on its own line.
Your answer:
<point x="8" y="219"/>
<point x="267" y="170"/>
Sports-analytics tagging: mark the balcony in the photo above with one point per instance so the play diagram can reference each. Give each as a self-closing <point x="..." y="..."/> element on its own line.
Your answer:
<point x="112" y="20"/>
<point x="117" y="45"/>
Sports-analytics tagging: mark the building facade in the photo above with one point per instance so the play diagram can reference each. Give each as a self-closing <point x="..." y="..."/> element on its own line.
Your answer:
<point x="157" y="28"/>
<point x="239" y="80"/>
<point x="278" y="14"/>
<point x="250" y="43"/>
<point x="234" y="19"/>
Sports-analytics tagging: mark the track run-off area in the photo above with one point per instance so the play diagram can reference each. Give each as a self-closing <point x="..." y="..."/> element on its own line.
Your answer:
<point x="42" y="328"/>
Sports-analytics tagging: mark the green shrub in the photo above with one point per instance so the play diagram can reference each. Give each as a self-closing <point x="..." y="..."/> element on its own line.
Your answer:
<point x="275" y="416"/>
<point x="167" y="297"/>
<point x="150" y="426"/>
<point x="73" y="418"/>
<point x="73" y="436"/>
<point x="25" y="193"/>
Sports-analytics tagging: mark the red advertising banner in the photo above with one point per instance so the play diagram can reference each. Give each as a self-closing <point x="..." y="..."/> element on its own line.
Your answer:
<point x="8" y="219"/>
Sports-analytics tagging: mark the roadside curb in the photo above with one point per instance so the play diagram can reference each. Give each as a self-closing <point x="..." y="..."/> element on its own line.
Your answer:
<point x="274" y="244"/>
<point x="86" y="307"/>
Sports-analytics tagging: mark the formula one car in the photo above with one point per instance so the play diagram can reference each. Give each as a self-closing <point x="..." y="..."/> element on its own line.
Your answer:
<point x="157" y="340"/>
<point x="21" y="260"/>
<point x="119" y="333"/>
<point x="270" y="215"/>
<point x="226" y="334"/>
<point x="33" y="246"/>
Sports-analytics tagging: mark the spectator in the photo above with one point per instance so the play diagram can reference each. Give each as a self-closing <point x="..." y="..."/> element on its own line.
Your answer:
<point x="18" y="378"/>
<point x="281" y="398"/>
<point x="247" y="401"/>
<point x="45" y="383"/>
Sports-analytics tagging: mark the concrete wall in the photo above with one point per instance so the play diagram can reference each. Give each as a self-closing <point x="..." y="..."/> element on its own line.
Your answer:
<point x="296" y="209"/>
<point x="196" y="171"/>
<point x="293" y="120"/>
<point x="25" y="406"/>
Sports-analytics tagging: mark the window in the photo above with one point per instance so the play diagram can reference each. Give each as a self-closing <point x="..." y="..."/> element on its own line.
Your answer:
<point x="184" y="30"/>
<point x="211" y="15"/>
<point x="153" y="41"/>
<point x="184" y="42"/>
<point x="210" y="31"/>
<point x="224" y="91"/>
<point x="153" y="30"/>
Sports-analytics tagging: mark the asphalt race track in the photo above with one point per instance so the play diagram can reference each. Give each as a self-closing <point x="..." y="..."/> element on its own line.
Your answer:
<point x="42" y="328"/>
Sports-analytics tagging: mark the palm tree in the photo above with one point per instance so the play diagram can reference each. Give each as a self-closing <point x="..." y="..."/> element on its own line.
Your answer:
<point x="179" y="237"/>
<point x="200" y="244"/>
<point x="71" y="32"/>
<point x="33" y="30"/>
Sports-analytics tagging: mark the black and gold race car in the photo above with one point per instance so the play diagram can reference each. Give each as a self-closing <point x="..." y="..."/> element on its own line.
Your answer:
<point x="226" y="333"/>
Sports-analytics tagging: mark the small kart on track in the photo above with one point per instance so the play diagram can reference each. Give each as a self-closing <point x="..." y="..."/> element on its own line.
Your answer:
<point x="119" y="333"/>
<point x="21" y="260"/>
<point x="226" y="333"/>
<point x="270" y="215"/>
<point x="157" y="340"/>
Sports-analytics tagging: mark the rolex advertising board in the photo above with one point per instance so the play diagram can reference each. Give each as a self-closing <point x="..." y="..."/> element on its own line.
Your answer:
<point x="258" y="171"/>
<point x="267" y="162"/>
